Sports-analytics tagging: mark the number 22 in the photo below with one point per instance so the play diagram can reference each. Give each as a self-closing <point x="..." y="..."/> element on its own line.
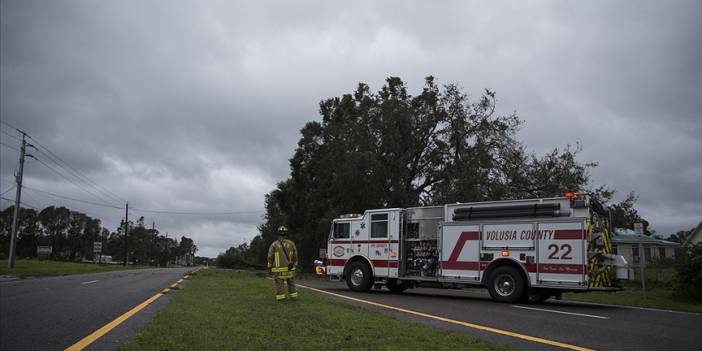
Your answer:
<point x="554" y="252"/>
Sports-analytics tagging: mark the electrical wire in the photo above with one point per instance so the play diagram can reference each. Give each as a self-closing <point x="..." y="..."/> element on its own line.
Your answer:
<point x="74" y="172"/>
<point x="70" y="170"/>
<point x="177" y="212"/>
<point x="69" y="180"/>
<point x="21" y="203"/>
<point x="10" y="135"/>
<point x="9" y="146"/>
<point x="70" y="198"/>
<point x="6" y="191"/>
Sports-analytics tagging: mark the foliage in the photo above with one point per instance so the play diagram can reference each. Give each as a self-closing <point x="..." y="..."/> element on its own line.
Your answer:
<point x="624" y="215"/>
<point x="239" y="257"/>
<point x="71" y="235"/>
<point x="688" y="278"/>
<point x="44" y="268"/>
<point x="391" y="149"/>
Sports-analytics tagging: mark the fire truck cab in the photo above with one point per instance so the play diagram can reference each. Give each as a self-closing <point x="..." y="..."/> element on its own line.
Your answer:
<point x="519" y="249"/>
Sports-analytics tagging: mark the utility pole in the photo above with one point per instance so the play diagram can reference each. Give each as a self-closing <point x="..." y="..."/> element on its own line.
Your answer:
<point x="126" y="231"/>
<point x="18" y="195"/>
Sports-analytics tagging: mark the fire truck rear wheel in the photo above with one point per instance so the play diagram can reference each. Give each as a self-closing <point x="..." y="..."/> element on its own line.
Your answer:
<point x="506" y="284"/>
<point x="396" y="287"/>
<point x="359" y="277"/>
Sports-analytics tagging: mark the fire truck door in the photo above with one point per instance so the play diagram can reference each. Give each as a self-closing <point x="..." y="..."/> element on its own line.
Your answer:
<point x="561" y="257"/>
<point x="378" y="243"/>
<point x="339" y="249"/>
<point x="460" y="251"/>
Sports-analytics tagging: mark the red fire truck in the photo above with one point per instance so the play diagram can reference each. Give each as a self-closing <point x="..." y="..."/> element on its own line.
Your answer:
<point x="519" y="249"/>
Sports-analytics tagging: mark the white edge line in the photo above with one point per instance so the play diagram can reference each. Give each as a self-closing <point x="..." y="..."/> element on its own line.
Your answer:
<point x="90" y="282"/>
<point x="576" y="302"/>
<point x="561" y="312"/>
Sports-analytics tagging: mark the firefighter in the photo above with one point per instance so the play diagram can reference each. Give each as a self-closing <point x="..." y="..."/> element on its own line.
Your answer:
<point x="282" y="260"/>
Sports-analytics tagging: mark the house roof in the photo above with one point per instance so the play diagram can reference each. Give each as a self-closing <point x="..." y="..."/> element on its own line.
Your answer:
<point x="627" y="236"/>
<point x="694" y="233"/>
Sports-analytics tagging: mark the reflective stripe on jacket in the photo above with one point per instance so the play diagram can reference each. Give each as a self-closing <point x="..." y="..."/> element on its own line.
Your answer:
<point x="277" y="261"/>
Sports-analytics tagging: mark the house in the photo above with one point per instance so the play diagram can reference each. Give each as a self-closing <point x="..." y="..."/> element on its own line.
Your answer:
<point x="695" y="237"/>
<point x="626" y="243"/>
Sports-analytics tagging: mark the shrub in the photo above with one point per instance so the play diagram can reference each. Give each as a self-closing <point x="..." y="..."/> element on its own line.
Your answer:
<point x="688" y="275"/>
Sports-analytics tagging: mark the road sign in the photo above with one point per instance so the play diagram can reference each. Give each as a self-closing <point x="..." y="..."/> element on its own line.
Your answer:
<point x="44" y="250"/>
<point x="97" y="247"/>
<point x="638" y="228"/>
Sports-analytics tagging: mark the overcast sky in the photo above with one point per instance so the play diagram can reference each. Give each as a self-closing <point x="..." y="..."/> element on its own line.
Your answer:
<point x="197" y="105"/>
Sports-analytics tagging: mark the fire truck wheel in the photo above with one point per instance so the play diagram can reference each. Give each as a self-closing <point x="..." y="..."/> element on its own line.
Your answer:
<point x="395" y="287"/>
<point x="506" y="284"/>
<point x="359" y="277"/>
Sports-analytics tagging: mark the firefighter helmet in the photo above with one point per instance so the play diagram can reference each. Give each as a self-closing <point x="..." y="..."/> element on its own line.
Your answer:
<point x="283" y="230"/>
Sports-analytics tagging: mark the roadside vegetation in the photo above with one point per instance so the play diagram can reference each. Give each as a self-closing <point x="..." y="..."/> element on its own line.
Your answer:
<point x="43" y="268"/>
<point x="669" y="285"/>
<point x="228" y="310"/>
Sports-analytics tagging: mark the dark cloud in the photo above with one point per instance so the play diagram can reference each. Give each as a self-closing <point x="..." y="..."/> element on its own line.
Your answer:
<point x="198" y="105"/>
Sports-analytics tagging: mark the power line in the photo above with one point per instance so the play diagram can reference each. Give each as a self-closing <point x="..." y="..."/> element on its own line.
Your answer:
<point x="76" y="173"/>
<point x="9" y="146"/>
<point x="68" y="179"/>
<point x="73" y="207"/>
<point x="21" y="203"/>
<point x="71" y="170"/>
<point x="72" y="199"/>
<point x="178" y="212"/>
<point x="6" y="191"/>
<point x="10" y="135"/>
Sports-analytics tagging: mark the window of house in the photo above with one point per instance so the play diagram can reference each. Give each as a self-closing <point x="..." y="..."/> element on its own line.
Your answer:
<point x="661" y="252"/>
<point x="379" y="225"/>
<point x="635" y="253"/>
<point x="342" y="230"/>
<point x="647" y="254"/>
<point x="614" y="249"/>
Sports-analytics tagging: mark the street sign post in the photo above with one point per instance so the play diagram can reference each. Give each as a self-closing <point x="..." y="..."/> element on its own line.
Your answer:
<point x="97" y="249"/>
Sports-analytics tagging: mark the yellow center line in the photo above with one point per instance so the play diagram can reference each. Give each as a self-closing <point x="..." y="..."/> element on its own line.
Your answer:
<point x="453" y="321"/>
<point x="174" y="285"/>
<point x="83" y="343"/>
<point x="109" y="326"/>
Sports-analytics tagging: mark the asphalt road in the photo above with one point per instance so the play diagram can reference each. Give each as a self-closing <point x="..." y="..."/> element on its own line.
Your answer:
<point x="600" y="327"/>
<point x="54" y="313"/>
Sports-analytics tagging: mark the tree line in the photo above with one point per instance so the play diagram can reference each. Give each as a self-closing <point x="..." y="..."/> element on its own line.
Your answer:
<point x="392" y="149"/>
<point x="71" y="235"/>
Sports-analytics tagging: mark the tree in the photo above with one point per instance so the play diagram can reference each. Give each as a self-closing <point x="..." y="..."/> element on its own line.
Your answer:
<point x="624" y="215"/>
<point x="392" y="149"/>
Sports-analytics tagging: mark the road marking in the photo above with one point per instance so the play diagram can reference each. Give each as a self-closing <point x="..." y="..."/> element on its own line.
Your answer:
<point x="561" y="312"/>
<point x="453" y="321"/>
<point x="109" y="326"/>
<point x="173" y="286"/>
<point x="83" y="343"/>
<point x="90" y="282"/>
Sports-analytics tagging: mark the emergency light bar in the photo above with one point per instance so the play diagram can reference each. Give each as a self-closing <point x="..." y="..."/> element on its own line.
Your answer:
<point x="351" y="215"/>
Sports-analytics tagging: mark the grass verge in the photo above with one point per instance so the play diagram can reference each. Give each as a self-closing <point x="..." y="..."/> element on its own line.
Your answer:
<point x="227" y="310"/>
<point x="656" y="297"/>
<point x="45" y="268"/>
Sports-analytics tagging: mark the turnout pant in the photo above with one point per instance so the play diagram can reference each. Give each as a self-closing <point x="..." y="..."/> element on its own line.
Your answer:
<point x="280" y="287"/>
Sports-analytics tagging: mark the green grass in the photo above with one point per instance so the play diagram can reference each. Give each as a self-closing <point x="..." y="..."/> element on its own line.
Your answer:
<point x="43" y="268"/>
<point x="656" y="297"/>
<point x="228" y="310"/>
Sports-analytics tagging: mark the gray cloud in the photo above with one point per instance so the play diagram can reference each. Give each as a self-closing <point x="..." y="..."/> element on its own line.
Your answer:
<point x="198" y="105"/>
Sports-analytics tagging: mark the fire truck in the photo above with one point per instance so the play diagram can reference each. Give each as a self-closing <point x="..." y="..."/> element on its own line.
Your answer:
<point x="520" y="250"/>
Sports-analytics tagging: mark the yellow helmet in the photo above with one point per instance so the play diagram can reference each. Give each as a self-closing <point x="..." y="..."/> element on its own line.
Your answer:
<point x="282" y="230"/>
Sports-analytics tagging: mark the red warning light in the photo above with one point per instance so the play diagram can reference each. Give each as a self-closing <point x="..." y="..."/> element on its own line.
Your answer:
<point x="570" y="195"/>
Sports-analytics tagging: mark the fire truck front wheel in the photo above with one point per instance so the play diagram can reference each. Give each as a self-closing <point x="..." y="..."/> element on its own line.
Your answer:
<point x="506" y="284"/>
<point x="359" y="277"/>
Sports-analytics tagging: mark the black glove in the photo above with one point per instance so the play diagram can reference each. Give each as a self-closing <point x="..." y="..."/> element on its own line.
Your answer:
<point x="291" y="266"/>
